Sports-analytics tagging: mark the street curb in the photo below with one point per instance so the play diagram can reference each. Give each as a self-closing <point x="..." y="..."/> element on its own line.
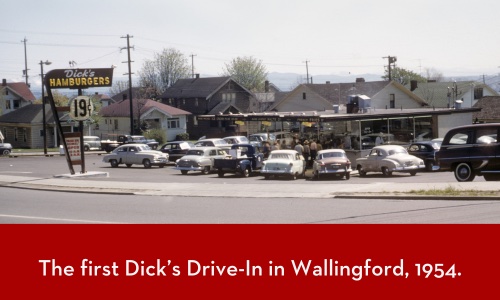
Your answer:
<point x="406" y="197"/>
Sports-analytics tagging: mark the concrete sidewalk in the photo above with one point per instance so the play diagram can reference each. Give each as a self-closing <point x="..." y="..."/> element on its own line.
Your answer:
<point x="375" y="190"/>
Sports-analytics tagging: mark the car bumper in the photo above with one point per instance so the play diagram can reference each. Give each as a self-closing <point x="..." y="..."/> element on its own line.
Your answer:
<point x="334" y="171"/>
<point x="409" y="169"/>
<point x="189" y="168"/>
<point x="277" y="172"/>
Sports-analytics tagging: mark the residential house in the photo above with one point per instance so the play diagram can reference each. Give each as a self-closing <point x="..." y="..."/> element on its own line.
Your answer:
<point x="115" y="118"/>
<point x="14" y="95"/>
<point x="210" y="96"/>
<point x="490" y="110"/>
<point x="333" y="96"/>
<point x="445" y="94"/>
<point x="23" y="127"/>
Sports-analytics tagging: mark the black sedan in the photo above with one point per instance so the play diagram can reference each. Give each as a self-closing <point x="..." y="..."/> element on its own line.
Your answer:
<point x="5" y="148"/>
<point x="176" y="149"/>
<point x="425" y="150"/>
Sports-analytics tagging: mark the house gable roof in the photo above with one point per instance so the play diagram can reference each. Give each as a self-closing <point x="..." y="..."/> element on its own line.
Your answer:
<point x="28" y="114"/>
<point x="490" y="109"/>
<point x="20" y="89"/>
<point x="436" y="93"/>
<point x="198" y="87"/>
<point x="122" y="108"/>
<point x="337" y="93"/>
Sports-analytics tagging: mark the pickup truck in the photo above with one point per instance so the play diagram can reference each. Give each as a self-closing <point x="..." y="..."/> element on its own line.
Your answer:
<point x="243" y="159"/>
<point x="108" y="145"/>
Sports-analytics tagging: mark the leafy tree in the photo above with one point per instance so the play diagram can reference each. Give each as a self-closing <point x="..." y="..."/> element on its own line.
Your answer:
<point x="403" y="76"/>
<point x="247" y="71"/>
<point x="433" y="74"/>
<point x="163" y="71"/>
<point x="59" y="99"/>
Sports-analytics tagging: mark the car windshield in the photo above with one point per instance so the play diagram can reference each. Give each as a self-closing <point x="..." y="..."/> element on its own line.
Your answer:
<point x="195" y="152"/>
<point x="397" y="151"/>
<point x="280" y="156"/>
<point x="143" y="148"/>
<point x="220" y="142"/>
<point x="331" y="154"/>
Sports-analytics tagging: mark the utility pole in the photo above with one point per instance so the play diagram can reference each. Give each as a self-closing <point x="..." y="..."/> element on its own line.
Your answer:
<point x="307" y="71"/>
<point x="192" y="65"/>
<point x="25" y="71"/>
<point x="392" y="64"/>
<point x="129" y="82"/>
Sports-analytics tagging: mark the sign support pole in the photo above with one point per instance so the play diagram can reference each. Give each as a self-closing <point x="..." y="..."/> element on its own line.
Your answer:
<point x="80" y="129"/>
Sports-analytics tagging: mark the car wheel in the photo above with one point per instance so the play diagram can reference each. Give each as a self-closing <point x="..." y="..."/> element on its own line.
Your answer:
<point x="386" y="172"/>
<point x="245" y="173"/>
<point x="429" y="165"/>
<point x="86" y="148"/>
<point x="129" y="165"/>
<point x="348" y="175"/>
<point x="113" y="163"/>
<point x="294" y="176"/>
<point x="205" y="170"/>
<point x="6" y="152"/>
<point x="316" y="174"/>
<point x="161" y="166"/>
<point x="463" y="172"/>
<point x="266" y="177"/>
<point x="220" y="173"/>
<point x="362" y="173"/>
<point x="184" y="172"/>
<point x="413" y="173"/>
<point x="146" y="163"/>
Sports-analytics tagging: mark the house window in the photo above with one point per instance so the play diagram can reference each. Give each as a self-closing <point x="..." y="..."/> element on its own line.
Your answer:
<point x="478" y="93"/>
<point x="116" y="124"/>
<point x="7" y="104"/>
<point x="195" y="121"/>
<point x="196" y="102"/>
<point x="304" y="96"/>
<point x="25" y="135"/>
<point x="16" y="104"/>
<point x="183" y="101"/>
<point x="41" y="133"/>
<point x="392" y="101"/>
<point x="15" y="134"/>
<point x="228" y="97"/>
<point x="173" y="123"/>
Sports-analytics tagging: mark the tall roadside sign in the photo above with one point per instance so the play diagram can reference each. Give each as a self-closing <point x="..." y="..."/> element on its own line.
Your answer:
<point x="80" y="108"/>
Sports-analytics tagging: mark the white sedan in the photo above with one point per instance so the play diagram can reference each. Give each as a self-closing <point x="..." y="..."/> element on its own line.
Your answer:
<point x="388" y="159"/>
<point x="284" y="163"/>
<point x="200" y="159"/>
<point x="136" y="154"/>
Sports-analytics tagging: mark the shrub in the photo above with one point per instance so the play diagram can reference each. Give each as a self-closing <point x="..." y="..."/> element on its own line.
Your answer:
<point x="157" y="134"/>
<point x="182" y="136"/>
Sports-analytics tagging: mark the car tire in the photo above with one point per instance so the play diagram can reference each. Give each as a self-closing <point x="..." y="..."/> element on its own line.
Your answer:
<point x="6" y="152"/>
<point x="267" y="177"/>
<point x="347" y="175"/>
<point x="161" y="166"/>
<point x="429" y="165"/>
<point x="205" y="170"/>
<point x="463" y="172"/>
<point x="386" y="172"/>
<point x="362" y="173"/>
<point x="220" y="173"/>
<point x="184" y="172"/>
<point x="113" y="163"/>
<point x="413" y="173"/>
<point x="245" y="173"/>
<point x="316" y="175"/>
<point x="86" y="148"/>
<point x="129" y="165"/>
<point x="146" y="163"/>
<point x="294" y="176"/>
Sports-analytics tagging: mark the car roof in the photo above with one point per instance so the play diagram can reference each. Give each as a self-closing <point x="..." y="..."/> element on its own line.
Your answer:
<point x="205" y="148"/>
<point x="285" y="151"/>
<point x="331" y="150"/>
<point x="388" y="147"/>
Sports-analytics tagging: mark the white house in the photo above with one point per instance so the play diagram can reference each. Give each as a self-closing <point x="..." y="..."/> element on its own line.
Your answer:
<point x="115" y="118"/>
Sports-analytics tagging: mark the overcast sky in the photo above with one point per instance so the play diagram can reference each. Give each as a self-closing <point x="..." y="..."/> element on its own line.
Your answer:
<point x="455" y="37"/>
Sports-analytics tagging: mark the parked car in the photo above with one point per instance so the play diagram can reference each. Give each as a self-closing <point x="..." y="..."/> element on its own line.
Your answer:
<point x="136" y="154"/>
<point x="243" y="159"/>
<point x="238" y="139"/>
<point x="284" y="163"/>
<point x="213" y="143"/>
<point x="388" y="159"/>
<point x="425" y="150"/>
<point x="470" y="151"/>
<point x="332" y="162"/>
<point x="5" y="148"/>
<point x="91" y="143"/>
<point x="200" y="159"/>
<point x="176" y="149"/>
<point x="257" y="138"/>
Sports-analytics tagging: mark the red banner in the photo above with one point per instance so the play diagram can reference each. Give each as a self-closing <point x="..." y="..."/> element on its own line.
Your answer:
<point x="249" y="261"/>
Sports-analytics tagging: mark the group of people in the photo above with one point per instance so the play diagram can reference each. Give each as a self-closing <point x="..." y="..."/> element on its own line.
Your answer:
<point x="307" y="149"/>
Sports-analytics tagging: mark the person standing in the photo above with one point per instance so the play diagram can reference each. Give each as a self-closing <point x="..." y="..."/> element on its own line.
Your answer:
<point x="299" y="148"/>
<point x="306" y="152"/>
<point x="314" y="150"/>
